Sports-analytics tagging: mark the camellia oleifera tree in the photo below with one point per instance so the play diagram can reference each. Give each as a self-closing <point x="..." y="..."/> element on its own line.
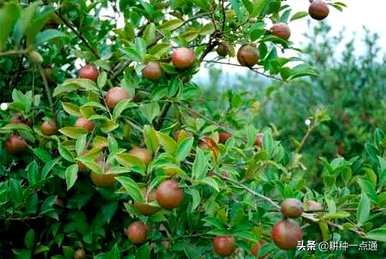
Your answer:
<point x="113" y="161"/>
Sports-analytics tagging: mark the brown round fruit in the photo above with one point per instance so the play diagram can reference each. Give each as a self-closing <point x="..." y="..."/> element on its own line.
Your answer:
<point x="248" y="55"/>
<point x="141" y="153"/>
<point x="137" y="232"/>
<point x="89" y="72"/>
<point x="17" y="119"/>
<point x="281" y="30"/>
<point x="85" y="124"/>
<point x="35" y="57"/>
<point x="318" y="9"/>
<point x="222" y="50"/>
<point x="292" y="208"/>
<point x="80" y="254"/>
<point x="169" y="195"/>
<point x="102" y="180"/>
<point x="15" y="144"/>
<point x="224" y="136"/>
<point x="183" y="58"/>
<point x="152" y="71"/>
<point x="259" y="140"/>
<point x="145" y="208"/>
<point x="115" y="95"/>
<point x="224" y="245"/>
<point x="48" y="127"/>
<point x="256" y="248"/>
<point x="286" y="234"/>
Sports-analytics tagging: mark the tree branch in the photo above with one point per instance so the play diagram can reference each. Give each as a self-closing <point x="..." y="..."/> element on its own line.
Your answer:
<point x="78" y="34"/>
<point x="250" y="68"/>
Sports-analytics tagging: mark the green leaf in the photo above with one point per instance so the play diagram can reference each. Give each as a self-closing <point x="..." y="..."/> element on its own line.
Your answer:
<point x="71" y="175"/>
<point x="368" y="188"/>
<point x="200" y="165"/>
<point x="102" y="80"/>
<point x="29" y="239"/>
<point x="112" y="144"/>
<point x="24" y="21"/>
<point x="73" y="132"/>
<point x="203" y="4"/>
<point x="168" y="143"/>
<point x="63" y="89"/>
<point x="150" y="110"/>
<point x="149" y="34"/>
<point x="363" y="209"/>
<point x="47" y="35"/>
<point x="301" y="71"/>
<point x="171" y="25"/>
<point x="132" y="162"/>
<point x="150" y="138"/>
<point x="378" y="234"/>
<point x="65" y="153"/>
<point x="196" y="199"/>
<point x="131" y="187"/>
<point x="80" y="144"/>
<point x="9" y="13"/>
<point x="299" y="15"/>
<point x="121" y="107"/>
<point x="236" y="5"/>
<point x="91" y="164"/>
<point x="160" y="49"/>
<point x="211" y="182"/>
<point x="183" y="148"/>
<point x="71" y="109"/>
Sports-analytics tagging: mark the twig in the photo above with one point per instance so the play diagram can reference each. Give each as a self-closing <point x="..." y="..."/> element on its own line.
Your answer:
<point x="306" y="136"/>
<point x="237" y="65"/>
<point x="80" y="36"/>
<point x="274" y="204"/>
<point x="47" y="90"/>
<point x="13" y="52"/>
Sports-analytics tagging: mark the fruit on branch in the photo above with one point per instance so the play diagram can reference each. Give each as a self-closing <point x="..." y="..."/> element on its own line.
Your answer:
<point x="49" y="127"/>
<point x="256" y="248"/>
<point x="248" y="55"/>
<point x="105" y="179"/>
<point x="222" y="49"/>
<point x="35" y="57"/>
<point x="142" y="154"/>
<point x="144" y="207"/>
<point x="259" y="140"/>
<point x="224" y="136"/>
<point x="152" y="71"/>
<point x="183" y="58"/>
<point x="80" y="254"/>
<point x="224" y="245"/>
<point x="115" y="95"/>
<point x="311" y="205"/>
<point x="286" y="234"/>
<point x="137" y="232"/>
<point x="84" y="123"/>
<point x="15" y="144"/>
<point x="318" y="9"/>
<point x="89" y="72"/>
<point x="292" y="208"/>
<point x="19" y="119"/>
<point x="281" y="30"/>
<point x="169" y="195"/>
